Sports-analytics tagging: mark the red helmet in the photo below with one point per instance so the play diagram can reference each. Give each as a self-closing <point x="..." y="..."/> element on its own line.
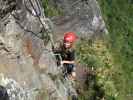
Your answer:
<point x="70" y="37"/>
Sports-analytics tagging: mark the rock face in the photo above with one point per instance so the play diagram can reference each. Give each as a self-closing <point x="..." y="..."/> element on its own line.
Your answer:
<point x="27" y="66"/>
<point x="23" y="60"/>
<point x="81" y="16"/>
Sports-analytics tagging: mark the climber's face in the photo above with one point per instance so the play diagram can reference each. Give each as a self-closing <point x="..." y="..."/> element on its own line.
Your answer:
<point x="67" y="44"/>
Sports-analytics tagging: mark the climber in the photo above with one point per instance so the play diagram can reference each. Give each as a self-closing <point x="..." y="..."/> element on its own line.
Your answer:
<point x="67" y="52"/>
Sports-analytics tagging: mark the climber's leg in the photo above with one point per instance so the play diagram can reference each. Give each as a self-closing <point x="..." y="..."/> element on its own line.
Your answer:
<point x="69" y="68"/>
<point x="71" y="71"/>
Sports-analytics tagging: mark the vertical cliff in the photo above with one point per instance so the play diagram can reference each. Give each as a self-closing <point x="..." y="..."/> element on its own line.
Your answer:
<point x="27" y="66"/>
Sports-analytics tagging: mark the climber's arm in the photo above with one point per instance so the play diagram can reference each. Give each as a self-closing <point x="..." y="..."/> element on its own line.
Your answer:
<point x="67" y="62"/>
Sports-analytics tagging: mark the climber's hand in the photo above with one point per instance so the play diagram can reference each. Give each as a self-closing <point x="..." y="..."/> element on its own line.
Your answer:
<point x="67" y="62"/>
<point x="62" y="62"/>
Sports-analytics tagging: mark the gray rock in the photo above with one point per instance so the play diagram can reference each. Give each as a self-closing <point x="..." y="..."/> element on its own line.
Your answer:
<point x="22" y="53"/>
<point x="27" y="64"/>
<point x="81" y="16"/>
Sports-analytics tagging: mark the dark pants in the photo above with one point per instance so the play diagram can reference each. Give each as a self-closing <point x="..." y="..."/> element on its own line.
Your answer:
<point x="69" y="68"/>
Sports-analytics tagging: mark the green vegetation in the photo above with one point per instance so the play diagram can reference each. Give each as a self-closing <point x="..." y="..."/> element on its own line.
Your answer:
<point x="95" y="54"/>
<point x="119" y="18"/>
<point x="112" y="57"/>
<point x="51" y="10"/>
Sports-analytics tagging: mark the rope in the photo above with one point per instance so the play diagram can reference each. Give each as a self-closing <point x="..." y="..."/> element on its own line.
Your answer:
<point x="28" y="9"/>
<point x="51" y="39"/>
<point x="37" y="15"/>
<point x="21" y="26"/>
